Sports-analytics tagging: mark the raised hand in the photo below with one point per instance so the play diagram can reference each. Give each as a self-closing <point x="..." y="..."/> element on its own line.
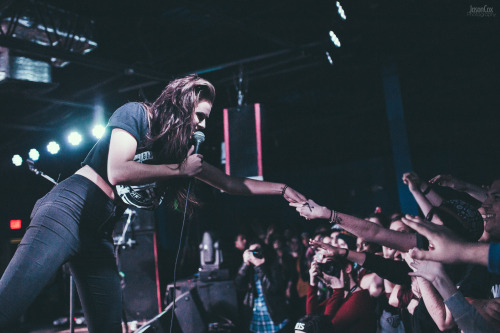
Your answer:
<point x="448" y="181"/>
<point x="314" y="272"/>
<point x="293" y="196"/>
<point x="192" y="165"/>
<point x="412" y="180"/>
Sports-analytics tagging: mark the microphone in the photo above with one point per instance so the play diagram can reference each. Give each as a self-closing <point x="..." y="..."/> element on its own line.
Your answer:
<point x="199" y="138"/>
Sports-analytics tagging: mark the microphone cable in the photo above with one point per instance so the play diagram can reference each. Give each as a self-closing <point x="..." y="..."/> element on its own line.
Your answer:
<point x="178" y="253"/>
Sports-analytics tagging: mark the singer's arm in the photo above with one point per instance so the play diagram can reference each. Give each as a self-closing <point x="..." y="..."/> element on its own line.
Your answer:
<point x="244" y="186"/>
<point x="122" y="169"/>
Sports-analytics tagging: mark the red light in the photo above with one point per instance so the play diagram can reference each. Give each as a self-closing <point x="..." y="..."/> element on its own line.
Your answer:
<point x="15" y="224"/>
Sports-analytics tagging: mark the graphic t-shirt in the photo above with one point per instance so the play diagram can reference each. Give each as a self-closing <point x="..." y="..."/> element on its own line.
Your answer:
<point x="131" y="117"/>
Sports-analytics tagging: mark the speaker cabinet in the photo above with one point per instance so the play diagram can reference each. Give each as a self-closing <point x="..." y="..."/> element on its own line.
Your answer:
<point x="138" y="264"/>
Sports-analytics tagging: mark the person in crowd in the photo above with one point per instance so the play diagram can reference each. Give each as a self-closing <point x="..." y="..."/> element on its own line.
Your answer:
<point x="144" y="154"/>
<point x="313" y="324"/>
<point x="261" y="278"/>
<point x="350" y="308"/>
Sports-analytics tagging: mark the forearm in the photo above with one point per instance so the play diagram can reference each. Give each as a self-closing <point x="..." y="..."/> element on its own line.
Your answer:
<point x="134" y="173"/>
<point x="474" y="253"/>
<point x="422" y="201"/>
<point x="435" y="305"/>
<point x="236" y="185"/>
<point x="477" y="192"/>
<point x="372" y="232"/>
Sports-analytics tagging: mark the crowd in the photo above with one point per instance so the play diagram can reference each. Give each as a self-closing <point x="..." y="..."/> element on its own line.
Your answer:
<point x="383" y="273"/>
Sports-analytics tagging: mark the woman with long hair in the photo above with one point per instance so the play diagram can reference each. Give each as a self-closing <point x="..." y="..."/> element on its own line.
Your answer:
<point x="144" y="155"/>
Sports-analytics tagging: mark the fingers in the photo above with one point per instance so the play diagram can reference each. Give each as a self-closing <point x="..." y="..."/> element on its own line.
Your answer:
<point x="420" y="255"/>
<point x="296" y="204"/>
<point x="419" y="226"/>
<point x="190" y="151"/>
<point x="435" y="179"/>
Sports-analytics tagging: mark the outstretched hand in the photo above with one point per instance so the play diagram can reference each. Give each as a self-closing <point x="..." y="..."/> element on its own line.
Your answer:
<point x="293" y="196"/>
<point x="309" y="209"/>
<point x="448" y="181"/>
<point x="427" y="269"/>
<point x="444" y="245"/>
<point x="330" y="251"/>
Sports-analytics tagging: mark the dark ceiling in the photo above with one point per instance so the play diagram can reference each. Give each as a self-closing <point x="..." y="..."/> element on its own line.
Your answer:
<point x="315" y="114"/>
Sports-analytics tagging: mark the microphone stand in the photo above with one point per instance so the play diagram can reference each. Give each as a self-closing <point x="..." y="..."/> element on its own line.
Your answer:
<point x="31" y="166"/>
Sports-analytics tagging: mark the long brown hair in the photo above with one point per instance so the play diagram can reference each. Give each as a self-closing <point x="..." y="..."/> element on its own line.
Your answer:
<point x="171" y="123"/>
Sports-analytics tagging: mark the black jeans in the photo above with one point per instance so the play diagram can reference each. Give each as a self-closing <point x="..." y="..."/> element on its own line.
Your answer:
<point x="73" y="222"/>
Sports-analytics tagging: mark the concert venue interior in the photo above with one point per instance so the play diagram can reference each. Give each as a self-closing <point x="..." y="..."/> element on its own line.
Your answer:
<point x="337" y="99"/>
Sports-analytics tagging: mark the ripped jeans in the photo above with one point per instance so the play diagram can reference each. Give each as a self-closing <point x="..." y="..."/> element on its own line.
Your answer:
<point x="72" y="223"/>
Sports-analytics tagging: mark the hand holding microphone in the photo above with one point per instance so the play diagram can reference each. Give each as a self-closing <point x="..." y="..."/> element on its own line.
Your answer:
<point x="193" y="164"/>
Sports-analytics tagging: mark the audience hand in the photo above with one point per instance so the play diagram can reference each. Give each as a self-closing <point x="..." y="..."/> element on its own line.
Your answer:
<point x="330" y="251"/>
<point x="489" y="309"/>
<point x="444" y="245"/>
<point x="448" y="181"/>
<point x="427" y="269"/>
<point x="314" y="272"/>
<point x="412" y="180"/>
<point x="309" y="210"/>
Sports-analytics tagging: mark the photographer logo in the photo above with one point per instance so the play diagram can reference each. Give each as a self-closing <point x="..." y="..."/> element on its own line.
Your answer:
<point x="481" y="11"/>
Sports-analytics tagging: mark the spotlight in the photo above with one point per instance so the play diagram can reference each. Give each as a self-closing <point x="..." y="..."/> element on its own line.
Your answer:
<point x="53" y="147"/>
<point x="341" y="11"/>
<point x="329" y="58"/>
<point x="335" y="39"/>
<point x="74" y="138"/>
<point x="34" y="154"/>
<point x="17" y="160"/>
<point x="98" y="131"/>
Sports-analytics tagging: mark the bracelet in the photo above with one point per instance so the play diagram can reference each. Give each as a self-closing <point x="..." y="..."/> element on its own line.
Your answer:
<point x="346" y="254"/>
<point x="334" y="217"/>
<point x="427" y="190"/>
<point x="284" y="190"/>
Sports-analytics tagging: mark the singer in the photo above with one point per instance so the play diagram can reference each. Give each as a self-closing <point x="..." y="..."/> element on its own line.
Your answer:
<point x="144" y="155"/>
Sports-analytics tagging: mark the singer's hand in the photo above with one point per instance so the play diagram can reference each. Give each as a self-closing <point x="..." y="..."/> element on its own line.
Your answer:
<point x="192" y="165"/>
<point x="291" y="195"/>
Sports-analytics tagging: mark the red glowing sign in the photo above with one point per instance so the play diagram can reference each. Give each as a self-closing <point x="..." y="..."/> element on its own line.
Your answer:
<point x="15" y="224"/>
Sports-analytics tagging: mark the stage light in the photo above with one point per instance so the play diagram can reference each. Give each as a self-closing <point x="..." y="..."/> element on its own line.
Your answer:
<point x="341" y="11"/>
<point x="17" y="160"/>
<point x="53" y="147"/>
<point x="74" y="138"/>
<point x="34" y="154"/>
<point x="15" y="224"/>
<point x="335" y="39"/>
<point x="98" y="131"/>
<point x="329" y="58"/>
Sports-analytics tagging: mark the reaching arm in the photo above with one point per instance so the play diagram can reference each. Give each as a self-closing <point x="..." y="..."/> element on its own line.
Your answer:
<point x="447" y="247"/>
<point x="370" y="232"/>
<point x="422" y="192"/>
<point x="244" y="186"/>
<point x="122" y="169"/>
<point x="474" y="191"/>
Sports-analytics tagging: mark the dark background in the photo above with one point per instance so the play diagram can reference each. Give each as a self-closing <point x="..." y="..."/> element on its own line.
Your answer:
<point x="325" y="128"/>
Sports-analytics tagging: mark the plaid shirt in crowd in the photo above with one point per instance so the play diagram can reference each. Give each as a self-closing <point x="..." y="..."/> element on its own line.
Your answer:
<point x="261" y="321"/>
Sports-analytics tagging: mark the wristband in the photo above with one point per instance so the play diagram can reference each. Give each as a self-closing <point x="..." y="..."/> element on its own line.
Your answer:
<point x="284" y="190"/>
<point x="427" y="190"/>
